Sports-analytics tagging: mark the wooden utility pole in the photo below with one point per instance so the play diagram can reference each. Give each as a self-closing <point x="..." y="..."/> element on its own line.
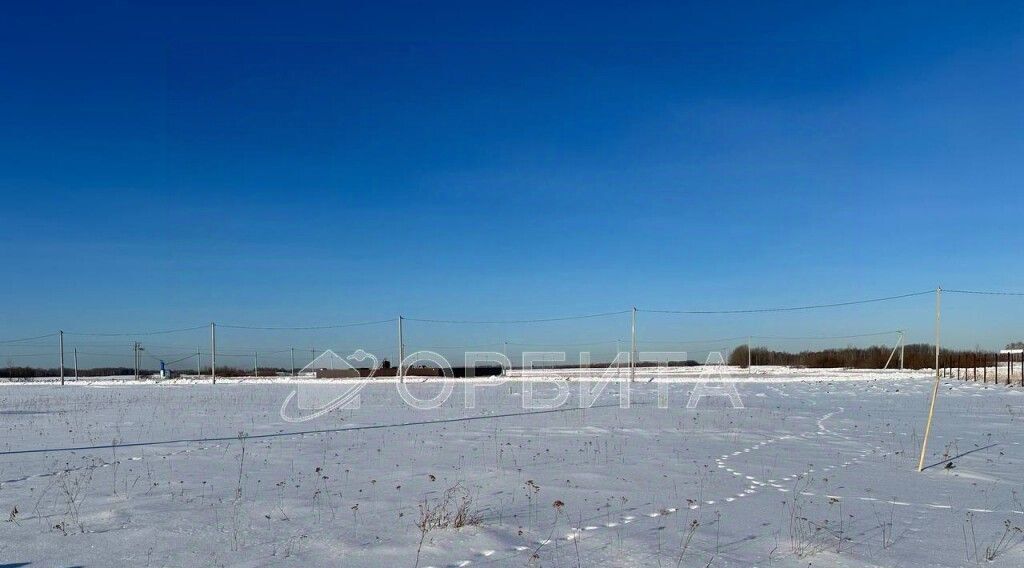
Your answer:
<point x="935" y="387"/>
<point x="401" y="349"/>
<point x="213" y="352"/>
<point x="632" y="352"/>
<point x="903" y="344"/>
<point x="61" y="333"/>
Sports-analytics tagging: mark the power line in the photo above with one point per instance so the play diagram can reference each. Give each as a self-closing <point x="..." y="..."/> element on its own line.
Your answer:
<point x="875" y="334"/>
<point x="792" y="308"/>
<point x="165" y="357"/>
<point x="694" y="341"/>
<point x="354" y="428"/>
<point x="560" y="344"/>
<point x="24" y="341"/>
<point x="279" y="351"/>
<point x="307" y="328"/>
<point x="28" y="338"/>
<point x="268" y="349"/>
<point x="518" y="321"/>
<point x="511" y="321"/>
<point x="103" y="354"/>
<point x="180" y="360"/>
<point x="477" y="346"/>
<point x="705" y="341"/>
<point x="984" y="293"/>
<point x="136" y="334"/>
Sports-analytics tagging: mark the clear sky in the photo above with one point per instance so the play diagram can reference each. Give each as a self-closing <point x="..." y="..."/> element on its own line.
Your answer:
<point x="303" y="162"/>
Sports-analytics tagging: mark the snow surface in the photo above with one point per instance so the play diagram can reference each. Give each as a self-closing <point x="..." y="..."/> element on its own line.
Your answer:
<point x="818" y="469"/>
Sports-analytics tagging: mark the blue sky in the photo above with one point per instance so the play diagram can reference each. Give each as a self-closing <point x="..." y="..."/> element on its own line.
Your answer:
<point x="173" y="164"/>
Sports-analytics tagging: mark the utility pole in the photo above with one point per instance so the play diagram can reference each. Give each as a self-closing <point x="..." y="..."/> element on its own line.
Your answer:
<point x="76" y="363"/>
<point x="506" y="354"/>
<point x="292" y="351"/>
<point x="61" y="333"/>
<point x="616" y="360"/>
<point x="903" y="345"/>
<point x="935" y="388"/>
<point x="256" y="363"/>
<point x="749" y="357"/>
<point x="199" y="363"/>
<point x="401" y="349"/>
<point x="135" y="354"/>
<point x="938" y="328"/>
<point x="632" y="352"/>
<point x="213" y="352"/>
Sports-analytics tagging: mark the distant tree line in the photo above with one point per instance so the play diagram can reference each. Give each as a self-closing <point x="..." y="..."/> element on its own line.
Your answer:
<point x="916" y="356"/>
<point x="639" y="364"/>
<point x="22" y="373"/>
<point x="35" y="372"/>
<point x="236" y="372"/>
<point x="15" y="373"/>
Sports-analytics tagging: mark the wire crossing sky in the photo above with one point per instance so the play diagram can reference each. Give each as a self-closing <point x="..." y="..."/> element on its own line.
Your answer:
<point x="290" y="166"/>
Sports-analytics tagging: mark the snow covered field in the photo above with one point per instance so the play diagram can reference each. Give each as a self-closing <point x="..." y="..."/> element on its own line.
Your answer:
<point x="818" y="469"/>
